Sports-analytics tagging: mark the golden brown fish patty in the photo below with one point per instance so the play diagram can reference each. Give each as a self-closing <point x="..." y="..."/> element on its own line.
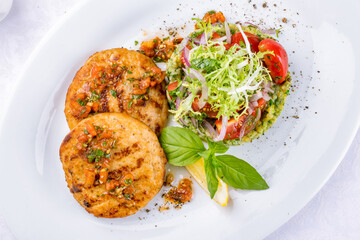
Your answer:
<point x="114" y="164"/>
<point x="118" y="80"/>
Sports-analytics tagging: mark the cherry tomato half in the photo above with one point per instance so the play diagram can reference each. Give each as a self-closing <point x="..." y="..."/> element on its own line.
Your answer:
<point x="172" y="86"/>
<point x="215" y="35"/>
<point x="206" y="109"/>
<point x="233" y="127"/>
<point x="253" y="40"/>
<point x="277" y="63"/>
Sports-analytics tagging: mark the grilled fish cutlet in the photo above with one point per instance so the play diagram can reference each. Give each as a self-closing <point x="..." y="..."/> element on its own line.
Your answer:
<point x="114" y="164"/>
<point x="118" y="80"/>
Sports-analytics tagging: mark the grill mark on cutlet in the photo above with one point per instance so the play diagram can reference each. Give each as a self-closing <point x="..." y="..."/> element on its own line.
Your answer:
<point x="75" y="188"/>
<point x="66" y="139"/>
<point x="104" y="101"/>
<point x="156" y="104"/>
<point x="127" y="151"/>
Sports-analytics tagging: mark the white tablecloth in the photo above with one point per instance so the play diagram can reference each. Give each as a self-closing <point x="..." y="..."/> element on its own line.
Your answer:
<point x="334" y="213"/>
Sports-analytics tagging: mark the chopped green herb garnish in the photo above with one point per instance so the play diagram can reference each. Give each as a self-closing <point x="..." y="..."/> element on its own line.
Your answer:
<point x="94" y="97"/>
<point x="137" y="96"/>
<point x="128" y="181"/>
<point x="86" y="131"/>
<point x="81" y="102"/>
<point x="113" y="93"/>
<point x="136" y="42"/>
<point x="114" y="65"/>
<point x="129" y="72"/>
<point x="130" y="104"/>
<point x="104" y="143"/>
<point x="95" y="155"/>
<point x="131" y="79"/>
<point x="127" y="196"/>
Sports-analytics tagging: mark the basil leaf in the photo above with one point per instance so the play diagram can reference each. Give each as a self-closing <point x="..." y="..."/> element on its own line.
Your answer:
<point x="217" y="147"/>
<point x="181" y="146"/>
<point x="238" y="173"/>
<point x="211" y="179"/>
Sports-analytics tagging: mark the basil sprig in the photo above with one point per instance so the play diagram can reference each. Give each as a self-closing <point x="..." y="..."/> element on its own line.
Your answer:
<point x="183" y="147"/>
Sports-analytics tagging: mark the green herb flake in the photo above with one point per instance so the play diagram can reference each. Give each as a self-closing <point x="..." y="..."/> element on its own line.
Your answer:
<point x="136" y="42"/>
<point x="86" y="131"/>
<point x="127" y="196"/>
<point x="130" y="104"/>
<point x="128" y="181"/>
<point x="129" y="72"/>
<point x="113" y="93"/>
<point x="81" y="102"/>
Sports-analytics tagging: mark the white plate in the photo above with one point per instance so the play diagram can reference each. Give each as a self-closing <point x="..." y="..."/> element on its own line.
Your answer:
<point x="296" y="156"/>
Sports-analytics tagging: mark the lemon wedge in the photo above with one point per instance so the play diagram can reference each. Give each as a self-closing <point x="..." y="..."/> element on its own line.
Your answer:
<point x="197" y="171"/>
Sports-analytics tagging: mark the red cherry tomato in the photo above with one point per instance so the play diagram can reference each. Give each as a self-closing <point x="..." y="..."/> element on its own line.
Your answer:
<point x="261" y="105"/>
<point x="253" y="40"/>
<point x="228" y="46"/>
<point x="183" y="59"/>
<point x="277" y="63"/>
<point x="215" y="35"/>
<point x="233" y="127"/>
<point x="172" y="86"/>
<point x="182" y="54"/>
<point x="206" y="109"/>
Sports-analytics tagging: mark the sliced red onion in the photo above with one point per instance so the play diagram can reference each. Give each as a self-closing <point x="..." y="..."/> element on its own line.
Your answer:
<point x="204" y="89"/>
<point x="253" y="124"/>
<point x="256" y="96"/>
<point x="252" y="105"/>
<point x="267" y="87"/>
<point x="228" y="33"/>
<point x="249" y="120"/>
<point x="242" y="130"/>
<point x="249" y="24"/>
<point x="196" y="41"/>
<point x="202" y="39"/>
<point x="177" y="102"/>
<point x="194" y="122"/>
<point x="266" y="96"/>
<point x="210" y="128"/>
<point x="183" y="44"/>
<point x="223" y="129"/>
<point x="182" y="121"/>
<point x="220" y="39"/>
<point x="186" y="56"/>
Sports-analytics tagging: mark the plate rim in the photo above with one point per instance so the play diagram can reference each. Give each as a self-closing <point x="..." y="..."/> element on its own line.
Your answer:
<point x="73" y="11"/>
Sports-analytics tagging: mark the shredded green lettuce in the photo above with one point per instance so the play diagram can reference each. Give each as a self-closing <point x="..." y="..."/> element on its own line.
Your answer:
<point x="232" y="76"/>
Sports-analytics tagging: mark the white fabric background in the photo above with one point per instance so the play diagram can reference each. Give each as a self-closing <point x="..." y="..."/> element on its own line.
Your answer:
<point x="334" y="213"/>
